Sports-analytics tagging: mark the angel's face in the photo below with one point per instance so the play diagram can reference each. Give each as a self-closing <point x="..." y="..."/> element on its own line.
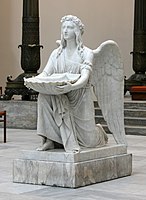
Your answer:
<point x="68" y="30"/>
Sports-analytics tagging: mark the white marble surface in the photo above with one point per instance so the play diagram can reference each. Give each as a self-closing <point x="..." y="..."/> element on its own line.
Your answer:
<point x="127" y="188"/>
<point x="59" y="155"/>
<point x="71" y="175"/>
<point x="66" y="108"/>
<point x="59" y="168"/>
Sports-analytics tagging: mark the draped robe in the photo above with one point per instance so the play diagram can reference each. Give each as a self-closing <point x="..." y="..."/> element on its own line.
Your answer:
<point x="68" y="118"/>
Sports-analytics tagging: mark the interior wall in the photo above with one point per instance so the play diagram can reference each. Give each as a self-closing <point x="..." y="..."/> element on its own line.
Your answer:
<point x="103" y="20"/>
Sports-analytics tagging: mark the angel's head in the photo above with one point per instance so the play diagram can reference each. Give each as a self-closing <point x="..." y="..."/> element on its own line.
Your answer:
<point x="71" y="27"/>
<point x="75" y="21"/>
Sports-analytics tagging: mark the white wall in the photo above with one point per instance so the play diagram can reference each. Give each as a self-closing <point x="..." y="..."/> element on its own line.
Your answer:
<point x="103" y="19"/>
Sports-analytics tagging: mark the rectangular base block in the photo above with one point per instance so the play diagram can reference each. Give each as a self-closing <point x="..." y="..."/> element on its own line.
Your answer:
<point x="72" y="170"/>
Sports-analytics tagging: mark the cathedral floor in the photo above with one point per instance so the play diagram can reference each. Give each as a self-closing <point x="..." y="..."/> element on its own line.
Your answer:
<point x="129" y="188"/>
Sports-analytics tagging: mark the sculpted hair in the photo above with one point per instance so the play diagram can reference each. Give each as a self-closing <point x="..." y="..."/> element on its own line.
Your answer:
<point x="79" y="30"/>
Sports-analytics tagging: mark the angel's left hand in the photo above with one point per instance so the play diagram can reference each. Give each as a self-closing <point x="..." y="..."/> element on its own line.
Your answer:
<point x="64" y="88"/>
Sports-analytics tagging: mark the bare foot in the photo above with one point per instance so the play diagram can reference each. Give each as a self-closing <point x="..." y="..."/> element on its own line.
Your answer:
<point x="46" y="146"/>
<point x="76" y="151"/>
<point x="44" y="139"/>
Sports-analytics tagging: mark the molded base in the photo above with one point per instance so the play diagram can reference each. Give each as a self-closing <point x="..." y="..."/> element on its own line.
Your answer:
<point x="58" y="168"/>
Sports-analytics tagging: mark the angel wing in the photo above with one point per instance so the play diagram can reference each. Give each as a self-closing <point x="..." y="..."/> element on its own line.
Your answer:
<point x="108" y="81"/>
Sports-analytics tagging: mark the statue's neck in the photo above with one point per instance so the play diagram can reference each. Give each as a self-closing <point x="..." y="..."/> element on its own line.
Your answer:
<point x="71" y="45"/>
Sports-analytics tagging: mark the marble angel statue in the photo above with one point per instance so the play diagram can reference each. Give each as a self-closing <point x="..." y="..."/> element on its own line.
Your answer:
<point x="65" y="103"/>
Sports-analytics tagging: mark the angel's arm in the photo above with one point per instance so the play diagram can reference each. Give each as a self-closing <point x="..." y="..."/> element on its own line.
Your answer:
<point x="85" y="71"/>
<point x="85" y="74"/>
<point x="82" y="81"/>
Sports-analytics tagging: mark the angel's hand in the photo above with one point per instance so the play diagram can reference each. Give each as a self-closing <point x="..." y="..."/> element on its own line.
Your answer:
<point x="64" y="88"/>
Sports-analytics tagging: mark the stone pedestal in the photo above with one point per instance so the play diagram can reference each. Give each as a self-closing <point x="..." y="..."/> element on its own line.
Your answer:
<point x="58" y="168"/>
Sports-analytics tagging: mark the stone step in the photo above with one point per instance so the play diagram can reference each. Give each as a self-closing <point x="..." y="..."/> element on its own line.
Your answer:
<point x="134" y="117"/>
<point x="135" y="105"/>
<point x="135" y="113"/>
<point x="130" y="130"/>
<point x="127" y="112"/>
<point x="130" y="105"/>
<point x="127" y="120"/>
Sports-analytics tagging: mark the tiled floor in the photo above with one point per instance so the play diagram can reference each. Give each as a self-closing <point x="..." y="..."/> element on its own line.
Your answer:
<point x="129" y="188"/>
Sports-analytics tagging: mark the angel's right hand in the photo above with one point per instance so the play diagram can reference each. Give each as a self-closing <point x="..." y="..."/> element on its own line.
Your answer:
<point x="64" y="88"/>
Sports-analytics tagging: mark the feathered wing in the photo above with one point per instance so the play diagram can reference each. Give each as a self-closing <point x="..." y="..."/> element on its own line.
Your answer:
<point x="108" y="81"/>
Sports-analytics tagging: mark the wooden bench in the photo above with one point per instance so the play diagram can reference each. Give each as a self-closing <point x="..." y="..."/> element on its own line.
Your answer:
<point x="138" y="93"/>
<point x="3" y="119"/>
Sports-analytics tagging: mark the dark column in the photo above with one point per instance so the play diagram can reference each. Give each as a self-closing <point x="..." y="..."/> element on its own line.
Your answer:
<point x="30" y="52"/>
<point x="30" y="48"/>
<point x="139" y="46"/>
